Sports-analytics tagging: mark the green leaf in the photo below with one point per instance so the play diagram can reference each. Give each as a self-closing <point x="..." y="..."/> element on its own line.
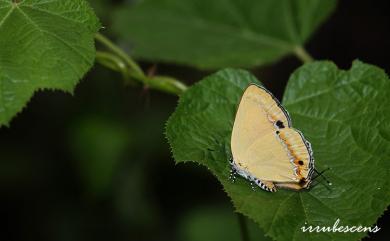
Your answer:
<point x="44" y="45"/>
<point x="220" y="33"/>
<point x="344" y="114"/>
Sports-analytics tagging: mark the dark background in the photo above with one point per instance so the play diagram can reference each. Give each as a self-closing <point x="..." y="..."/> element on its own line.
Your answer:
<point x="96" y="165"/>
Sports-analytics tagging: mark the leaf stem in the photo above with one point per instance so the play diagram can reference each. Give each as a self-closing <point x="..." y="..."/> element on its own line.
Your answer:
<point x="118" y="51"/>
<point x="243" y="227"/>
<point x="119" y="61"/>
<point x="114" y="63"/>
<point x="302" y="54"/>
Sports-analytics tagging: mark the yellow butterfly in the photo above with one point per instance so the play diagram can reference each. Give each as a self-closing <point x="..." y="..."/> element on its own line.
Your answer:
<point x="266" y="150"/>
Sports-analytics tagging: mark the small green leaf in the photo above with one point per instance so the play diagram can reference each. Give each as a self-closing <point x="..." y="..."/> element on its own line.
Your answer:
<point x="220" y="33"/>
<point x="44" y="45"/>
<point x="344" y="114"/>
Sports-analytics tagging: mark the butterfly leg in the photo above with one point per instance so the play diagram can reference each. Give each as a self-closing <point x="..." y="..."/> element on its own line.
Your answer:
<point x="253" y="186"/>
<point x="232" y="176"/>
<point x="233" y="171"/>
<point x="252" y="182"/>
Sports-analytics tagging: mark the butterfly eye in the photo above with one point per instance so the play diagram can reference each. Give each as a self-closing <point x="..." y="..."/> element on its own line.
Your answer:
<point x="300" y="162"/>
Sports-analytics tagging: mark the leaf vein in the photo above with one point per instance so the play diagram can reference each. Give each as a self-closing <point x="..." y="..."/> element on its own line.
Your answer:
<point x="54" y="36"/>
<point x="6" y="16"/>
<point x="51" y="13"/>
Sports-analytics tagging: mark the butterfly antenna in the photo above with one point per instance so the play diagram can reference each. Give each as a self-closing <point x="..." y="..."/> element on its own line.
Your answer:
<point x="323" y="176"/>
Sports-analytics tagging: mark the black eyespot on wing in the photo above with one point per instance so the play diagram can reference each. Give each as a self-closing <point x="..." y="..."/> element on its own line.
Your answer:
<point x="302" y="182"/>
<point x="277" y="132"/>
<point x="300" y="162"/>
<point x="279" y="124"/>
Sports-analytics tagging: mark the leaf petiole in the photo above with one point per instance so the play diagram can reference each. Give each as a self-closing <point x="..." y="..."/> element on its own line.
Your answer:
<point x="113" y="62"/>
<point x="120" y="53"/>
<point x="117" y="60"/>
<point x="303" y="55"/>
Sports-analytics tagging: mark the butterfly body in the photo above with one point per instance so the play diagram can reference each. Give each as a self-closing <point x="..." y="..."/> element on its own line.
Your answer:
<point x="266" y="150"/>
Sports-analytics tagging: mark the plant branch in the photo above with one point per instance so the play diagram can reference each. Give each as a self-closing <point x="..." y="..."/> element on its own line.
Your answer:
<point x="119" y="61"/>
<point x="302" y="54"/>
<point x="243" y="227"/>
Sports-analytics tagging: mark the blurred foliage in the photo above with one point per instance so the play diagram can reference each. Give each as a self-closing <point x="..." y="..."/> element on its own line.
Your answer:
<point x="220" y="33"/>
<point x="103" y="9"/>
<point x="98" y="145"/>
<point x="195" y="225"/>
